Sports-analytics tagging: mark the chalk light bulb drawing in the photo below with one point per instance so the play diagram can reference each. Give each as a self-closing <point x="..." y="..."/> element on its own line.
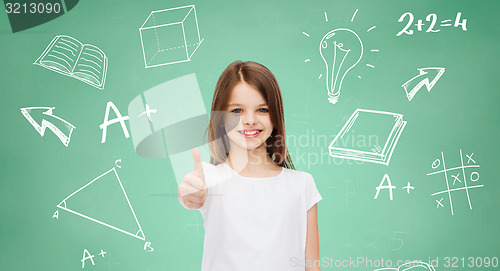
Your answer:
<point x="341" y="49"/>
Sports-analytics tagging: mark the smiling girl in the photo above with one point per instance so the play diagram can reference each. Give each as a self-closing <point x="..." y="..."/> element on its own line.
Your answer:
<point x="259" y="213"/>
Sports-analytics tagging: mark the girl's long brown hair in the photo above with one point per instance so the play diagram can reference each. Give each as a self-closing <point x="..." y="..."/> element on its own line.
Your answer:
<point x="261" y="78"/>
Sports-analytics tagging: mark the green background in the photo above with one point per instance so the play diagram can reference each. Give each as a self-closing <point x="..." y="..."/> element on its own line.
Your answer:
<point x="460" y="113"/>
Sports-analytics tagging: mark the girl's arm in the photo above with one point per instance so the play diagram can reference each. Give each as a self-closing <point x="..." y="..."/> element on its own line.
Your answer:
<point x="312" y="240"/>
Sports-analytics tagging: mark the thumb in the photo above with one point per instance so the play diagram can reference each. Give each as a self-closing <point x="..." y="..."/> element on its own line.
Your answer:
<point x="198" y="168"/>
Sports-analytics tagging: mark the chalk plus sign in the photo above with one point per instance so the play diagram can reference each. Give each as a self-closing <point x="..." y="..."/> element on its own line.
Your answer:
<point x="408" y="187"/>
<point x="102" y="253"/>
<point x="419" y="25"/>
<point x="148" y="112"/>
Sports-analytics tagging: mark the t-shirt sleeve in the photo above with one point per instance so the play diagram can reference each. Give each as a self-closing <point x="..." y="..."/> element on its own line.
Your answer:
<point x="312" y="193"/>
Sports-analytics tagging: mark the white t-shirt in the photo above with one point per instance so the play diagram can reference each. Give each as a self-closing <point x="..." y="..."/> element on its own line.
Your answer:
<point x="256" y="224"/>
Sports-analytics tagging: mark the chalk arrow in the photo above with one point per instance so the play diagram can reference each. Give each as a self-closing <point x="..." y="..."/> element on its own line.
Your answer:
<point x="47" y="124"/>
<point x="413" y="85"/>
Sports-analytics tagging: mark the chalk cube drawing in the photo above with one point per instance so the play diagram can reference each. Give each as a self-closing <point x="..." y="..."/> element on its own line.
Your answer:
<point x="170" y="36"/>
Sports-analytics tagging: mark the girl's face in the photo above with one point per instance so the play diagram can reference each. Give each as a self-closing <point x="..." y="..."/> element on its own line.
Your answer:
<point x="249" y="107"/>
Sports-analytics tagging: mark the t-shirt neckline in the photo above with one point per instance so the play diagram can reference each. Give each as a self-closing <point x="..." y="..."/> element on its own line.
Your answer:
<point x="254" y="178"/>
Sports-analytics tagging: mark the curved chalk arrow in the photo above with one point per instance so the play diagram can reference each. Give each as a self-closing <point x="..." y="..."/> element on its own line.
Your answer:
<point x="47" y="124"/>
<point x="413" y="85"/>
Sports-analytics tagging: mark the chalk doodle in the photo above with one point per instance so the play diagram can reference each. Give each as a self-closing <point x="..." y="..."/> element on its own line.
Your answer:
<point x="413" y="85"/>
<point x="432" y="19"/>
<point x="107" y="122"/>
<point x="148" y="112"/>
<point x="417" y="265"/>
<point x="382" y="186"/>
<point x="195" y="222"/>
<point x="387" y="184"/>
<point x="170" y="36"/>
<point x="458" y="174"/>
<point x="40" y="128"/>
<point x="384" y="127"/>
<point x="68" y="56"/>
<point x="87" y="256"/>
<point x="107" y="192"/>
<point x="408" y="188"/>
<point x="341" y="50"/>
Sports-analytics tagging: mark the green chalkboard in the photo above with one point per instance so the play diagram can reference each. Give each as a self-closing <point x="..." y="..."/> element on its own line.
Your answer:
<point x="392" y="106"/>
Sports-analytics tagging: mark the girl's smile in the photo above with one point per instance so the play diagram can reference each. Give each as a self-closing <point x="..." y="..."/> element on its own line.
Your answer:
<point x="251" y="133"/>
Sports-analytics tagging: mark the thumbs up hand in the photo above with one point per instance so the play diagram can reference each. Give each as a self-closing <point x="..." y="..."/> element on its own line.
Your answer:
<point x="193" y="188"/>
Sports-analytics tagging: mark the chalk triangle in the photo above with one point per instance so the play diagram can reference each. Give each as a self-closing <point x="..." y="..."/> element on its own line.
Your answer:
<point x="104" y="201"/>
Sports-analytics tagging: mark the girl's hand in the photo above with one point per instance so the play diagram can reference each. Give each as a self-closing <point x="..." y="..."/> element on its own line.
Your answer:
<point x="193" y="189"/>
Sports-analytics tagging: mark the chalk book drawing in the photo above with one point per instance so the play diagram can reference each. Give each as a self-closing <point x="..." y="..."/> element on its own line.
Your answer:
<point x="369" y="136"/>
<point x="68" y="56"/>
<point x="104" y="200"/>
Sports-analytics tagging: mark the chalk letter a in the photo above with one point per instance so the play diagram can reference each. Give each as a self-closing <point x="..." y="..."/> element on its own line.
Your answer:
<point x="388" y="186"/>
<point x="85" y="251"/>
<point x="107" y="122"/>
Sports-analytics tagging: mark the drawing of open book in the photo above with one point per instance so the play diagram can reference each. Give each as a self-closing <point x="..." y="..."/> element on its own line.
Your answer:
<point x="70" y="57"/>
<point x="369" y="136"/>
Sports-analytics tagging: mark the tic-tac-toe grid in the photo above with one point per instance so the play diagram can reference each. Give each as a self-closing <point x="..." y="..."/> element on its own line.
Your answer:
<point x="458" y="176"/>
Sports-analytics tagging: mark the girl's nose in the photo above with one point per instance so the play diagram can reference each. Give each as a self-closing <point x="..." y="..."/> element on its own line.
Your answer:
<point x="249" y="119"/>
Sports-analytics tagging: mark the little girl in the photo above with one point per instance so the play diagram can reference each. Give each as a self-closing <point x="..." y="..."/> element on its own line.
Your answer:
<point x="259" y="213"/>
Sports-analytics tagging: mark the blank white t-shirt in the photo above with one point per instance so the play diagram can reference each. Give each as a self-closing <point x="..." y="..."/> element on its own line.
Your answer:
<point x="256" y="224"/>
